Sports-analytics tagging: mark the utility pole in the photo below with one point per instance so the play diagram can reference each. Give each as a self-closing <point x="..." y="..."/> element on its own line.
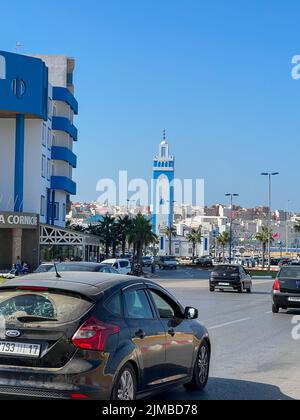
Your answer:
<point x="231" y="223"/>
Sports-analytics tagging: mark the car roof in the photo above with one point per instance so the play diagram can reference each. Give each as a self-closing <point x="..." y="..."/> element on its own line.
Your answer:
<point x="87" y="284"/>
<point x="80" y="264"/>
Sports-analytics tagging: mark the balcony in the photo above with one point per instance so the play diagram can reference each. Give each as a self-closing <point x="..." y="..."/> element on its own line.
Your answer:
<point x="63" y="183"/>
<point x="63" y="124"/>
<point x="65" y="154"/>
<point x="64" y="95"/>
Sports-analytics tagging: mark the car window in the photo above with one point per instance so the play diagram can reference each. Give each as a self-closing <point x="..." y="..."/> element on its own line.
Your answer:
<point x="137" y="305"/>
<point x="57" y="306"/>
<point x="105" y="270"/>
<point x="116" y="265"/>
<point x="166" y="308"/>
<point x="113" y="305"/>
<point x="124" y="264"/>
<point x="290" y="273"/>
<point x="226" y="269"/>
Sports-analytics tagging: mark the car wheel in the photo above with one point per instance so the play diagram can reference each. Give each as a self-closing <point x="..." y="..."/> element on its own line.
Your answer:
<point x="211" y="289"/>
<point x="249" y="290"/>
<point x="125" y="387"/>
<point x="275" y="309"/>
<point x="201" y="369"/>
<point x="240" y="288"/>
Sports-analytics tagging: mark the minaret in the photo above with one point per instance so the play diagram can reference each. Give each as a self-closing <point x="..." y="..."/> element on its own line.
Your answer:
<point x="163" y="189"/>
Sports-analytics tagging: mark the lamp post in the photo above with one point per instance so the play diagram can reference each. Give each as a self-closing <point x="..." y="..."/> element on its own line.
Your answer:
<point x="231" y="222"/>
<point x="287" y="227"/>
<point x="269" y="175"/>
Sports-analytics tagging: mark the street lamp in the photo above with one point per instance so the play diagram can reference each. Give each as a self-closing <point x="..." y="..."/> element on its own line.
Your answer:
<point x="269" y="175"/>
<point x="231" y="222"/>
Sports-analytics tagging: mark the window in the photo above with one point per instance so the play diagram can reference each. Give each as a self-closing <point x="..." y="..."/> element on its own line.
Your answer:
<point x="43" y="166"/>
<point x="50" y="109"/>
<point x="64" y="212"/>
<point x="56" y="211"/>
<point x="113" y="305"/>
<point x="43" y="206"/>
<point x="49" y="169"/>
<point x="49" y="138"/>
<point x="166" y="308"/>
<point x="44" y="130"/>
<point x="137" y="305"/>
<point x="124" y="264"/>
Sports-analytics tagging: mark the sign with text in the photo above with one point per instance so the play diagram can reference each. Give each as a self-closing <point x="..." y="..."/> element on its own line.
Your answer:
<point x="18" y="220"/>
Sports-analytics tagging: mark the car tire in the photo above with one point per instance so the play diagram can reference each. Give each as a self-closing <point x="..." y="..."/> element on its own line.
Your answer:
<point x="201" y="369"/>
<point x="249" y="289"/>
<point x="125" y="387"/>
<point x="211" y="289"/>
<point x="275" y="309"/>
<point x="240" y="289"/>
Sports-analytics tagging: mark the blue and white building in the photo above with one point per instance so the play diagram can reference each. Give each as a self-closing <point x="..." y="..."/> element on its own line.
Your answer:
<point x="163" y="191"/>
<point x="37" y="135"/>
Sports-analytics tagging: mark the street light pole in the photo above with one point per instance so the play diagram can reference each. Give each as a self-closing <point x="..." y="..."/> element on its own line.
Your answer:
<point x="231" y="222"/>
<point x="269" y="175"/>
<point x="287" y="227"/>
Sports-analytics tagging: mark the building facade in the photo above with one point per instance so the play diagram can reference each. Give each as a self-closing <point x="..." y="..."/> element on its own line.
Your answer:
<point x="37" y="133"/>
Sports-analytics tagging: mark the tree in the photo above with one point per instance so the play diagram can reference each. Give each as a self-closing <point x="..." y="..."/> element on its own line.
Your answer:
<point x="223" y="240"/>
<point x="124" y="226"/>
<point x="170" y="232"/>
<point x="106" y="231"/>
<point x="195" y="237"/>
<point x="263" y="237"/>
<point x="297" y="226"/>
<point x="141" y="234"/>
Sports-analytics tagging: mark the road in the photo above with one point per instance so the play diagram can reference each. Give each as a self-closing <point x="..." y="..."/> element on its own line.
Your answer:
<point x="254" y="355"/>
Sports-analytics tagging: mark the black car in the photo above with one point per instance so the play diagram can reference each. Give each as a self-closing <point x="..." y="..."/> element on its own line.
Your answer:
<point x="97" y="336"/>
<point x="286" y="289"/>
<point x="84" y="267"/>
<point x="230" y="276"/>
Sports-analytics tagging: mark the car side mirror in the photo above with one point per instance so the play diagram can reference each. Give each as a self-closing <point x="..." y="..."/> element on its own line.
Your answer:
<point x="191" y="313"/>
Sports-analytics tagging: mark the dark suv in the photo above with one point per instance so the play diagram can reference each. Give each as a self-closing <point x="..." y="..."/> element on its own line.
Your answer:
<point x="230" y="277"/>
<point x="97" y="336"/>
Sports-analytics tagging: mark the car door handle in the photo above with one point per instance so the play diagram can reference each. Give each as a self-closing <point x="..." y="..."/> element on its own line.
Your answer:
<point x="172" y="332"/>
<point x="140" y="334"/>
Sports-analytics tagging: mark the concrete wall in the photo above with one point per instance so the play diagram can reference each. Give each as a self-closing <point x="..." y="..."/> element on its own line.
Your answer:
<point x="7" y="168"/>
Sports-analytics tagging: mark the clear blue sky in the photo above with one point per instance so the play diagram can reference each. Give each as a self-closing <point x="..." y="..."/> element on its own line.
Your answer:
<point x="216" y="74"/>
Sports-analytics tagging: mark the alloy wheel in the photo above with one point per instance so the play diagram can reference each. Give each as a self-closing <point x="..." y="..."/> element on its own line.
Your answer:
<point x="126" y="387"/>
<point x="203" y="364"/>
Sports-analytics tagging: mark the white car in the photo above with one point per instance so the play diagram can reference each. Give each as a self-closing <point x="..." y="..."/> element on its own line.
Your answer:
<point x="121" y="265"/>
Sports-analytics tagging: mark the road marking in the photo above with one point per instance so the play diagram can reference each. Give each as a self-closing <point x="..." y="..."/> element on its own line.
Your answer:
<point x="229" y="323"/>
<point x="269" y="312"/>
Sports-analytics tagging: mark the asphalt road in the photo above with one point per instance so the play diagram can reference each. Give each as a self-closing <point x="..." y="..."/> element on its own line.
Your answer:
<point x="254" y="355"/>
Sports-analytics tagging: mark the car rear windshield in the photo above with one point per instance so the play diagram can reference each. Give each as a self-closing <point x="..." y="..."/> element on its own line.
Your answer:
<point x="74" y="267"/>
<point x="56" y="307"/>
<point x="169" y="258"/>
<point x="226" y="269"/>
<point x="290" y="273"/>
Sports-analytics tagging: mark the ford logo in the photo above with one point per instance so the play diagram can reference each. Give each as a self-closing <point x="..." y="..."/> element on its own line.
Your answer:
<point x="12" y="333"/>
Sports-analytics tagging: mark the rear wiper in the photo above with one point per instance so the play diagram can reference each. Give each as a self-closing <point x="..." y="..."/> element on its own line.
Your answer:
<point x="27" y="319"/>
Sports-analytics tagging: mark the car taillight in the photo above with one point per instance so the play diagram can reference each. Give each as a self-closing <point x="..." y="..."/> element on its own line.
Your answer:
<point x="276" y="286"/>
<point x="93" y="334"/>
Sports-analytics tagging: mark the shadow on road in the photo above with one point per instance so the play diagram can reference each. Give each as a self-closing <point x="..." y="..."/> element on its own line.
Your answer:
<point x="229" y="389"/>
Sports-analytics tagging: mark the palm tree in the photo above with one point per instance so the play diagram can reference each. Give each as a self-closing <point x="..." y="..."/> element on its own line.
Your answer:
<point x="141" y="235"/>
<point x="223" y="240"/>
<point x="170" y="232"/>
<point x="195" y="237"/>
<point x="124" y="226"/>
<point x="106" y="231"/>
<point x="263" y="237"/>
<point x="297" y="226"/>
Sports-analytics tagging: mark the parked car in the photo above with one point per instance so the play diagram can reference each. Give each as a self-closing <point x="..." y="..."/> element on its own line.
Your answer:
<point x="84" y="266"/>
<point x="122" y="266"/>
<point x="230" y="277"/>
<point x="286" y="289"/>
<point x="44" y="268"/>
<point x="205" y="262"/>
<point x="168" y="263"/>
<point x="284" y="261"/>
<point x="294" y="263"/>
<point x="147" y="261"/>
<point x="95" y="336"/>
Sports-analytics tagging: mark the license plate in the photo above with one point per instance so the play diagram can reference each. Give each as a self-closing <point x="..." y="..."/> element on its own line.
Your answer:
<point x="294" y="299"/>
<point x="224" y="284"/>
<point x="19" y="349"/>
